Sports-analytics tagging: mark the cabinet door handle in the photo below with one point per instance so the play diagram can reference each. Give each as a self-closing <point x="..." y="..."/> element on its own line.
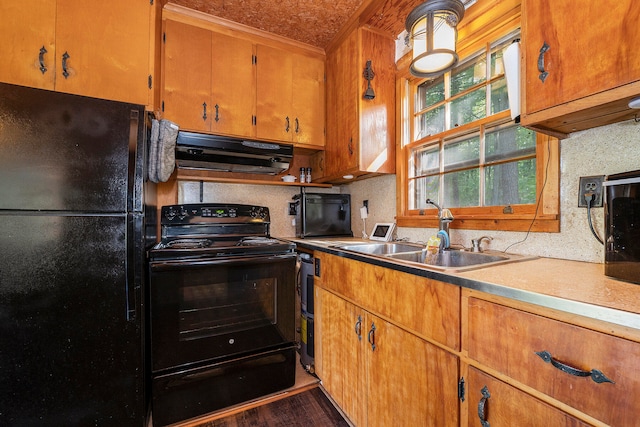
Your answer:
<point x="543" y="74"/>
<point x="43" y="67"/>
<point x="65" y="69"/>
<point x="297" y="125"/>
<point x="372" y="336"/>
<point x="217" y="115"/>
<point x="350" y="146"/>
<point x="204" y="111"/>
<point x="286" y="126"/>
<point x="596" y="375"/>
<point x="358" y="328"/>
<point x="482" y="406"/>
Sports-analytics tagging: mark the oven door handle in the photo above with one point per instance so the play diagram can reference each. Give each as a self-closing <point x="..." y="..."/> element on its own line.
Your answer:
<point x="227" y="260"/>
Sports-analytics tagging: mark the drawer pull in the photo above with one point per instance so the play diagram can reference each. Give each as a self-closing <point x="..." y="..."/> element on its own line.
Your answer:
<point x="543" y="74"/>
<point x="372" y="337"/>
<point x="482" y="406"/>
<point x="596" y="375"/>
<point x="43" y="67"/>
<point x="358" y="328"/>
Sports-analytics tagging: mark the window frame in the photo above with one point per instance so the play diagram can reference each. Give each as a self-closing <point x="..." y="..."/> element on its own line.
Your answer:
<point x="541" y="216"/>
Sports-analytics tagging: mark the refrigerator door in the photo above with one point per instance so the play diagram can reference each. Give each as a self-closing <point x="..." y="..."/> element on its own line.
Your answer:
<point x="64" y="152"/>
<point x="69" y="354"/>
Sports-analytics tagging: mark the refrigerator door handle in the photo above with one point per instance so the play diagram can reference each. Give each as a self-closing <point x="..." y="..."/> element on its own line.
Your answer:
<point x="134" y="265"/>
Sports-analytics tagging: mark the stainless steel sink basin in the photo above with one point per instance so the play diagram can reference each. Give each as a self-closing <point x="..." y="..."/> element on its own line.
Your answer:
<point x="381" y="248"/>
<point x="449" y="260"/>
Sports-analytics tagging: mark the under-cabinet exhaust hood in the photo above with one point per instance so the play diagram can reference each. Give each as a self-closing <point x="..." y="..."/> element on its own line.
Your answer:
<point x="225" y="154"/>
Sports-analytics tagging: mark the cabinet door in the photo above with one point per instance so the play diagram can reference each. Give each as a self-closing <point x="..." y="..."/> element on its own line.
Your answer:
<point x="492" y="402"/>
<point x="340" y="328"/>
<point x="308" y="100"/>
<point x="27" y="27"/>
<point x="274" y="113"/>
<point x="592" y="48"/>
<point x="233" y="86"/>
<point x="107" y="44"/>
<point x="341" y="145"/>
<point x="411" y="382"/>
<point x="187" y="76"/>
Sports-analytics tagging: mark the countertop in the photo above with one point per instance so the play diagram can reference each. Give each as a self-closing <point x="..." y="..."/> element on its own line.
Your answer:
<point x="574" y="287"/>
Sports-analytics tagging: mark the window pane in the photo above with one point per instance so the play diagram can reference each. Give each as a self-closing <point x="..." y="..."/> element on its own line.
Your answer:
<point x="430" y="92"/>
<point x="510" y="183"/>
<point x="497" y="66"/>
<point x="462" y="153"/>
<point x="426" y="160"/>
<point x="509" y="142"/>
<point x="499" y="96"/>
<point x="462" y="188"/>
<point x="430" y="123"/>
<point x="422" y="189"/>
<point x="467" y="76"/>
<point x="468" y="108"/>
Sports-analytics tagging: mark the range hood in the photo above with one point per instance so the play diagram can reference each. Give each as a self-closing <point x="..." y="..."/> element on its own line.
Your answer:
<point x="225" y="154"/>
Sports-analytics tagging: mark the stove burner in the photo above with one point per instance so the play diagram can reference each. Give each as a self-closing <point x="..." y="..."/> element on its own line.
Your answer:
<point x="257" y="241"/>
<point x="188" y="243"/>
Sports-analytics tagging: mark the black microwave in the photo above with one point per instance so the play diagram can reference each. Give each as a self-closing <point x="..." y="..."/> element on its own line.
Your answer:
<point x="622" y="226"/>
<point x="323" y="215"/>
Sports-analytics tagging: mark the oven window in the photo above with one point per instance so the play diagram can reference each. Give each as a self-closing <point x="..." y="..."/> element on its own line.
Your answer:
<point x="223" y="307"/>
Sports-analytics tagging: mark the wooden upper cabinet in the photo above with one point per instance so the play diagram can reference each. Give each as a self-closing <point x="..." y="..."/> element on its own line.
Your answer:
<point x="100" y="49"/>
<point x="186" y="68"/>
<point x="27" y="40"/>
<point x="289" y="96"/>
<point x="589" y="64"/>
<point x="232" y="86"/>
<point x="208" y="80"/>
<point x="360" y="132"/>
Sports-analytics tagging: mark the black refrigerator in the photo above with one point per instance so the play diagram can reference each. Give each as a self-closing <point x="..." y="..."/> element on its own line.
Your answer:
<point x="76" y="217"/>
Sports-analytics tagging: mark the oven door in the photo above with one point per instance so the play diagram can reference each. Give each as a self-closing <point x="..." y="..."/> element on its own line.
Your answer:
<point x="218" y="309"/>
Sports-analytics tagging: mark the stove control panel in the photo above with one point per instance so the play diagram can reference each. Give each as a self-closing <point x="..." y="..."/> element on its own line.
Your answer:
<point x="195" y="213"/>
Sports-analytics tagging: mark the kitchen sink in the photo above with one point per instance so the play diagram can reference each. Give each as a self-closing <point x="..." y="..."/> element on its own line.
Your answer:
<point x="448" y="260"/>
<point x="381" y="248"/>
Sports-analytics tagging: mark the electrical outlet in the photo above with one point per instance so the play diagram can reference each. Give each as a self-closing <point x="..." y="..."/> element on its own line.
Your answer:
<point x="588" y="185"/>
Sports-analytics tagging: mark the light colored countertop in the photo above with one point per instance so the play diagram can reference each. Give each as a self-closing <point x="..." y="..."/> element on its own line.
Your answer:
<point x="570" y="286"/>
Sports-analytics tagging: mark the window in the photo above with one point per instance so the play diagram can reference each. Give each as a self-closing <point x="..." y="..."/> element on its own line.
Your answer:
<point x="462" y="148"/>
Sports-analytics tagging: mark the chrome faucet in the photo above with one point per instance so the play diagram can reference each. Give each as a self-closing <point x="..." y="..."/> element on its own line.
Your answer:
<point x="475" y="243"/>
<point x="444" y="216"/>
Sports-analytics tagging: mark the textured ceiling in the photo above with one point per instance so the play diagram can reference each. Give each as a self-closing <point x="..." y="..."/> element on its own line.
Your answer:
<point x="314" y="22"/>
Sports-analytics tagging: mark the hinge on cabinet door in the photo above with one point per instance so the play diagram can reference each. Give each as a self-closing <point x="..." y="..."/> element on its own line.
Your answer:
<point x="461" y="389"/>
<point x="162" y="106"/>
<point x="164" y="37"/>
<point x="254" y="120"/>
<point x="151" y="2"/>
<point x="150" y="81"/>
<point x="254" y="59"/>
<point x="316" y="265"/>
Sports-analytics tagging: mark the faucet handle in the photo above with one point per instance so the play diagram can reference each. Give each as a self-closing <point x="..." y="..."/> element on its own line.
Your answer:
<point x="476" y="243"/>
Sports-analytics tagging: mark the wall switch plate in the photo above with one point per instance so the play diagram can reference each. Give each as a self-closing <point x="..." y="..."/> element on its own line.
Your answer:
<point x="588" y="185"/>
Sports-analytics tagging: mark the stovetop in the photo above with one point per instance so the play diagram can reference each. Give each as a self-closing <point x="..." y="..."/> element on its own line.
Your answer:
<point x="215" y="230"/>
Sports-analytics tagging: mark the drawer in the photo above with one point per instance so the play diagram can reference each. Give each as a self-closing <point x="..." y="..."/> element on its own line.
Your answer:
<point x="592" y="372"/>
<point x="426" y="307"/>
<point x="500" y="404"/>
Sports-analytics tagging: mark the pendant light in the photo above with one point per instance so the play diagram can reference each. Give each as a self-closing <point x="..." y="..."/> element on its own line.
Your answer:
<point x="431" y="28"/>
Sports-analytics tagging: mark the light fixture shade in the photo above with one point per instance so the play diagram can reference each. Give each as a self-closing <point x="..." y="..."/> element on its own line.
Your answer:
<point x="432" y="29"/>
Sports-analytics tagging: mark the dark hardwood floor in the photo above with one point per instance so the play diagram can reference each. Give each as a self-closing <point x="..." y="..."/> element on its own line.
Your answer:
<point x="309" y="408"/>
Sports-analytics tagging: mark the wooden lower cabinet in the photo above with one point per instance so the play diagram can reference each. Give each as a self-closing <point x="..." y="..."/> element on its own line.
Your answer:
<point x="495" y="403"/>
<point x="379" y="374"/>
<point x="592" y="372"/>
